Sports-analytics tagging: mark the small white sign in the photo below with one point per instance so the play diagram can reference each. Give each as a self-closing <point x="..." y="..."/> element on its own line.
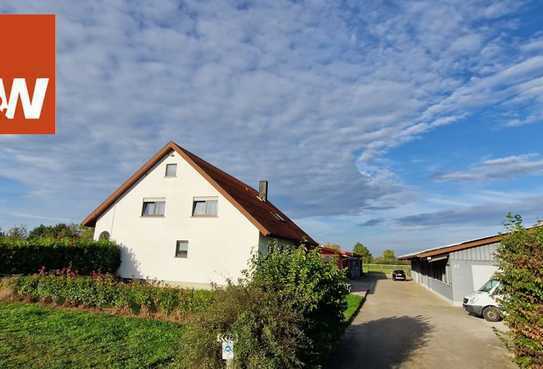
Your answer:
<point x="227" y="349"/>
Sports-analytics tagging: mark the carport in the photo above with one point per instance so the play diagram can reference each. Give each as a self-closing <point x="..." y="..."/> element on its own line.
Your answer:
<point x="454" y="271"/>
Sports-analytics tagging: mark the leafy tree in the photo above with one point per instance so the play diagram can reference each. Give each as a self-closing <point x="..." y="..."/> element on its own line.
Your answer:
<point x="363" y="251"/>
<point x="86" y="233"/>
<point x="389" y="255"/>
<point x="60" y="231"/>
<point x="520" y="257"/>
<point x="17" y="233"/>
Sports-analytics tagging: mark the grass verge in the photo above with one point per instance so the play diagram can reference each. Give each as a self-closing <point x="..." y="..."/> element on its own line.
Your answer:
<point x="354" y="303"/>
<point x="33" y="336"/>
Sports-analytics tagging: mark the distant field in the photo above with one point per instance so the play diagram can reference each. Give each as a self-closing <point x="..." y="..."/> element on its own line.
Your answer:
<point x="386" y="268"/>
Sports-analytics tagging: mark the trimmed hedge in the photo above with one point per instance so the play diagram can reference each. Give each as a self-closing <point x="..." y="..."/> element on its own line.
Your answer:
<point x="107" y="292"/>
<point x="520" y="258"/>
<point x="83" y="256"/>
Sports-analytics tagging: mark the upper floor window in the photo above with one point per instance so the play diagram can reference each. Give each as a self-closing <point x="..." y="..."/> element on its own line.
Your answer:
<point x="204" y="207"/>
<point x="153" y="208"/>
<point x="171" y="170"/>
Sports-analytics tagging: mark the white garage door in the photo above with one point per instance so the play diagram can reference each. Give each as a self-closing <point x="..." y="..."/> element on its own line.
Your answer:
<point x="481" y="274"/>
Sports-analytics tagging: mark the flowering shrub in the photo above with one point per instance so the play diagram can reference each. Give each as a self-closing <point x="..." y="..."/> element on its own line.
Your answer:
<point x="107" y="292"/>
<point x="84" y="256"/>
<point x="287" y="313"/>
<point x="520" y="258"/>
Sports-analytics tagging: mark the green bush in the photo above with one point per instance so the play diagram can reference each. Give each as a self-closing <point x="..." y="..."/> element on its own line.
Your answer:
<point x="104" y="291"/>
<point x="286" y="313"/>
<point x="315" y="288"/>
<point x="267" y="334"/>
<point x="84" y="256"/>
<point x="520" y="258"/>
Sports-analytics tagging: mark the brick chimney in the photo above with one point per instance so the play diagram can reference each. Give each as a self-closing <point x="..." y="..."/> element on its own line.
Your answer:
<point x="263" y="190"/>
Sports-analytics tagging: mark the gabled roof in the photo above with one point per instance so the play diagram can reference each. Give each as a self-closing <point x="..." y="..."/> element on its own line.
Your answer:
<point x="269" y="220"/>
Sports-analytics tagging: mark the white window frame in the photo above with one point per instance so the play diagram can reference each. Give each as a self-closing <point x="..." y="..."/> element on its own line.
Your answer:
<point x="166" y="170"/>
<point x="205" y="199"/>
<point x="155" y="201"/>
<point x="186" y="252"/>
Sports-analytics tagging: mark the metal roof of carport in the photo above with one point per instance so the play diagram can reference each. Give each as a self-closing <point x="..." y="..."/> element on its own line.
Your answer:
<point x="441" y="250"/>
<point x="452" y="248"/>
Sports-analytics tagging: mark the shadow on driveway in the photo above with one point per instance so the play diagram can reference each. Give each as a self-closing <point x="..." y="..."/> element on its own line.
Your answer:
<point x="383" y="343"/>
<point x="368" y="282"/>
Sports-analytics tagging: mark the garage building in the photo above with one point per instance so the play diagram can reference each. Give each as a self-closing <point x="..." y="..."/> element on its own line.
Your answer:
<point x="456" y="270"/>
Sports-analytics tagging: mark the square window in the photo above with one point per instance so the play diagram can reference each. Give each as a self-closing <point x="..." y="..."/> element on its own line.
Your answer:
<point x="181" y="249"/>
<point x="153" y="208"/>
<point x="171" y="170"/>
<point x="204" y="207"/>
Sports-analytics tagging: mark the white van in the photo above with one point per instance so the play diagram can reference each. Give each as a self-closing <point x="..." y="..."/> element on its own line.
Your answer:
<point x="483" y="302"/>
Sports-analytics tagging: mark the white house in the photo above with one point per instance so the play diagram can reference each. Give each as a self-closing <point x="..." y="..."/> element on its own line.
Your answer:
<point x="180" y="219"/>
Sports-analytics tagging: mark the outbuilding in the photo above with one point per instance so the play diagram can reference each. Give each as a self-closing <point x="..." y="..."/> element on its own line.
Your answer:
<point x="346" y="260"/>
<point x="456" y="270"/>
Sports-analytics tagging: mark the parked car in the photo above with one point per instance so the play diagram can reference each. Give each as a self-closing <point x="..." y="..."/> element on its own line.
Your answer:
<point x="483" y="302"/>
<point x="399" y="275"/>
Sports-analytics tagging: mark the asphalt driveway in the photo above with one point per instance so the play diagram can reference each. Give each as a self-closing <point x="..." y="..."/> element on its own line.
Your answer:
<point x="402" y="325"/>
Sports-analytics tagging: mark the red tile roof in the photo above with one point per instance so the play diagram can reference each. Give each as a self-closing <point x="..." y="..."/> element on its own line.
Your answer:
<point x="269" y="220"/>
<point x="325" y="250"/>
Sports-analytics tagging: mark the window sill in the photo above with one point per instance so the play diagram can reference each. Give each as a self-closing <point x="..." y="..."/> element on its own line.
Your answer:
<point x="204" y="216"/>
<point x="152" y="216"/>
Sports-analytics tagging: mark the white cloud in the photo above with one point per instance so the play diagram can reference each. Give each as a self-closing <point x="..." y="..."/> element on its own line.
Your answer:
<point x="308" y="95"/>
<point x="499" y="168"/>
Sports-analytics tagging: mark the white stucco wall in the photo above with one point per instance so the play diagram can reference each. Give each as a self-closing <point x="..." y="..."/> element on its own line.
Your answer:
<point x="219" y="247"/>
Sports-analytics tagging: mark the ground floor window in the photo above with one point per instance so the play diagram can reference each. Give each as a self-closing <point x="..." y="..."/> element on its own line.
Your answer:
<point x="182" y="249"/>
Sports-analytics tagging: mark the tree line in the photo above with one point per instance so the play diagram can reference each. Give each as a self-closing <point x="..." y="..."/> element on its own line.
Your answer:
<point x="388" y="256"/>
<point x="57" y="231"/>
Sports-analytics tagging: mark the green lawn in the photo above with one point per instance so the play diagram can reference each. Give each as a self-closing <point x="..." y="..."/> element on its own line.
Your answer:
<point x="386" y="268"/>
<point x="32" y="336"/>
<point x="353" y="305"/>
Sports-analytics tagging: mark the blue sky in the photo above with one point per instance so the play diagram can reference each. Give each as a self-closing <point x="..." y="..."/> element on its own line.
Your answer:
<point x="400" y="124"/>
